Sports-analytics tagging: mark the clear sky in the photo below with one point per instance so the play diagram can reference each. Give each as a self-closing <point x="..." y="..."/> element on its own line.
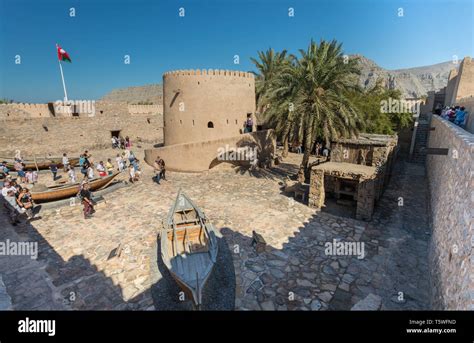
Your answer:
<point x="157" y="39"/>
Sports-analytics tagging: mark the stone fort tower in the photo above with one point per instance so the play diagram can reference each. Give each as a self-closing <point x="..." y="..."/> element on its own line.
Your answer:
<point x="206" y="105"/>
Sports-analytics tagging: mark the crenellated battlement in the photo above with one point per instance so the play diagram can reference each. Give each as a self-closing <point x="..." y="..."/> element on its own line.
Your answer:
<point x="209" y="72"/>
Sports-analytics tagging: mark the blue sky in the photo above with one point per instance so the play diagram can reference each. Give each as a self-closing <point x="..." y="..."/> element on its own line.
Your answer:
<point x="208" y="36"/>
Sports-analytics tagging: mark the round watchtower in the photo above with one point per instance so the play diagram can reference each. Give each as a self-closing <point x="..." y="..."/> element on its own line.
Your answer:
<point x="206" y="105"/>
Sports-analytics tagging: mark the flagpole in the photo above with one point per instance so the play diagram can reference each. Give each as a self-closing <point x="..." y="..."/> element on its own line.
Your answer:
<point x="62" y="77"/>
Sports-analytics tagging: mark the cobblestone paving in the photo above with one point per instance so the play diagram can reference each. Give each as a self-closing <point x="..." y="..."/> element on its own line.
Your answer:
<point x="293" y="273"/>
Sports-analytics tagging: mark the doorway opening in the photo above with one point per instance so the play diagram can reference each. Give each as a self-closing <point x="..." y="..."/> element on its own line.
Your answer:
<point x="115" y="133"/>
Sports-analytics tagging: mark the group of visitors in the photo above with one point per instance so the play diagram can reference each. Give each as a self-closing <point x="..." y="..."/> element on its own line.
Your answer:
<point x="26" y="176"/>
<point x="18" y="200"/>
<point x="118" y="142"/>
<point x="455" y="114"/>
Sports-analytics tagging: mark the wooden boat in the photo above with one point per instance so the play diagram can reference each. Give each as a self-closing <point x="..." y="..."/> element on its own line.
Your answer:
<point x="69" y="191"/>
<point x="41" y="163"/>
<point x="188" y="247"/>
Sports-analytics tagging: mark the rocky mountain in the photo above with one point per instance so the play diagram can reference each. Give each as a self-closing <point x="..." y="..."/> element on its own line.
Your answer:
<point x="412" y="82"/>
<point x="148" y="94"/>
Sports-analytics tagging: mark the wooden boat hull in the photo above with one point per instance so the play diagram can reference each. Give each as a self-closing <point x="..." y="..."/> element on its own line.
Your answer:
<point x="69" y="191"/>
<point x="189" y="249"/>
<point x="42" y="164"/>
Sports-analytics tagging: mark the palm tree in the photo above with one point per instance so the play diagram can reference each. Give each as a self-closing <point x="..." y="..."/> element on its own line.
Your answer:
<point x="269" y="64"/>
<point x="318" y="83"/>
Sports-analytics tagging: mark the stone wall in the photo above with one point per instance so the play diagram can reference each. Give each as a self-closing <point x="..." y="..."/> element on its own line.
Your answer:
<point x="468" y="102"/>
<point x="73" y="134"/>
<point x="208" y="104"/>
<point x="452" y="206"/>
<point x="202" y="156"/>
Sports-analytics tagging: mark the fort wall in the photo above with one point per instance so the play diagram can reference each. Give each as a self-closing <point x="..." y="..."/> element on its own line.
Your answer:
<point x="206" y="105"/>
<point x="204" y="155"/>
<point x="21" y="128"/>
<point x="452" y="204"/>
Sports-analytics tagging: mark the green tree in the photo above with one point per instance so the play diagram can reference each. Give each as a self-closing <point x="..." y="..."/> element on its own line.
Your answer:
<point x="317" y="84"/>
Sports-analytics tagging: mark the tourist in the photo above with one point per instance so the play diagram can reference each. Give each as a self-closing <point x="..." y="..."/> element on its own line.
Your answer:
<point x="65" y="163"/>
<point x="86" y="199"/>
<point x="120" y="163"/>
<point x="128" y="143"/>
<point x="82" y="160"/>
<point x="21" y="173"/>
<point x="460" y="115"/>
<point x="84" y="168"/>
<point x="25" y="201"/>
<point x="115" y="142"/>
<point x="7" y="186"/>
<point x="54" y="170"/>
<point x="163" y="169"/>
<point x="131" y="156"/>
<point x="452" y="114"/>
<point x="109" y="166"/>
<point x="326" y="152"/>
<point x="248" y="126"/>
<point x="157" y="170"/>
<point x="29" y="176"/>
<point x="35" y="176"/>
<point x="122" y="142"/>
<point x="101" y="169"/>
<point x="71" y="175"/>
<point x="132" y="174"/>
<point x="4" y="169"/>
<point x="90" y="172"/>
<point x="13" y="208"/>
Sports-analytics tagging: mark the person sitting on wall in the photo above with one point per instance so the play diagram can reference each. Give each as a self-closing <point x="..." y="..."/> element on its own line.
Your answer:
<point x="460" y="115"/>
<point x="25" y="202"/>
<point x="101" y="169"/>
<point x="452" y="114"/>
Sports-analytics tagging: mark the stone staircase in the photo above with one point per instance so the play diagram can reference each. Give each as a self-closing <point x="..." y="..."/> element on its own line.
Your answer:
<point x="421" y="139"/>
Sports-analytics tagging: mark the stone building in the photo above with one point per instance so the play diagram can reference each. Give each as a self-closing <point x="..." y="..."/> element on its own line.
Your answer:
<point x="359" y="169"/>
<point x="206" y="105"/>
<point x="204" y="112"/>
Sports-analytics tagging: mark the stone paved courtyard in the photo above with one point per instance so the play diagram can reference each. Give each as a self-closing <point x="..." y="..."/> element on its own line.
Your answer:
<point x="294" y="273"/>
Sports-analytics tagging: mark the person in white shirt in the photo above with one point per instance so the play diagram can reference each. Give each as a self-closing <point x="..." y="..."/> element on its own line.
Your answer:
<point x="6" y="188"/>
<point x="72" y="175"/>
<point x="65" y="163"/>
<point x="90" y="172"/>
<point x="120" y="164"/>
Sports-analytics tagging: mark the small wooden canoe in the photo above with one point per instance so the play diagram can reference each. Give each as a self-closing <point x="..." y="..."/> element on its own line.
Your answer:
<point x="41" y="163"/>
<point x="188" y="247"/>
<point x="69" y="191"/>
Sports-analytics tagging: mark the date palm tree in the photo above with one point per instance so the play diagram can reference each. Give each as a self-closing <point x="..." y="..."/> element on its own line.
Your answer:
<point x="317" y="84"/>
<point x="276" y="113"/>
